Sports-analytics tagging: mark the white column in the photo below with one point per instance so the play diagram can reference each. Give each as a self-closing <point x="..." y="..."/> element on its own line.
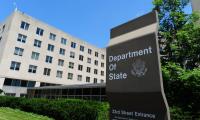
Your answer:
<point x="1" y="82"/>
<point x="37" y="84"/>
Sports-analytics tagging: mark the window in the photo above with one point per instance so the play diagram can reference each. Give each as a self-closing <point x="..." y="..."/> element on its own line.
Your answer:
<point x="50" y="47"/>
<point x="72" y="54"/>
<point x="24" y="83"/>
<point x="88" y="60"/>
<point x="24" y="25"/>
<point x="81" y="57"/>
<point x="73" y="44"/>
<point x="39" y="31"/>
<point x="95" y="71"/>
<point x="79" y="77"/>
<point x="87" y="79"/>
<point x="0" y="39"/>
<point x="15" y="82"/>
<point x="80" y="67"/>
<point x="35" y="55"/>
<point x="70" y="76"/>
<point x="31" y="83"/>
<point x="59" y="74"/>
<point x="88" y="69"/>
<point x="82" y="48"/>
<point x="32" y="69"/>
<point x="71" y="65"/>
<point x="23" y="95"/>
<point x="102" y="64"/>
<point x="37" y="43"/>
<point x="8" y="82"/>
<point x="47" y="71"/>
<point x="15" y="65"/>
<point x="102" y="81"/>
<point x="102" y="56"/>
<point x="49" y="59"/>
<point x="63" y="41"/>
<point x="18" y="51"/>
<point x="10" y="94"/>
<point x="62" y="51"/>
<point x="96" y="54"/>
<point x="60" y="62"/>
<point x="21" y="38"/>
<point x="52" y="36"/>
<point x="89" y="51"/>
<point x="96" y="62"/>
<point x="102" y="73"/>
<point x="95" y="80"/>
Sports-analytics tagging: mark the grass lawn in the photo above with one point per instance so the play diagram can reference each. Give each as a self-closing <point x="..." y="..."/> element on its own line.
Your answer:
<point x="14" y="114"/>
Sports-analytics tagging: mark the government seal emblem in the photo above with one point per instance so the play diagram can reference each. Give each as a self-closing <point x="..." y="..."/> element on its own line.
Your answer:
<point x="138" y="68"/>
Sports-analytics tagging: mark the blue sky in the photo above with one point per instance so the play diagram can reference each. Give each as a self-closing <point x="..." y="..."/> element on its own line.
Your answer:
<point x="89" y="20"/>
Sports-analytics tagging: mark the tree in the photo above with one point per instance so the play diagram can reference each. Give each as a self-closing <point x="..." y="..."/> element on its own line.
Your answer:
<point x="182" y="88"/>
<point x="179" y="37"/>
<point x="179" y="33"/>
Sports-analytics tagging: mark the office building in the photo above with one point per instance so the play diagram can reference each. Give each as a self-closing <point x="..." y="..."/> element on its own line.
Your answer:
<point x="35" y="54"/>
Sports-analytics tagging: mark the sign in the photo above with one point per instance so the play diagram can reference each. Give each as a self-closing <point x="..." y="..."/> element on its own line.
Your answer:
<point x="134" y="82"/>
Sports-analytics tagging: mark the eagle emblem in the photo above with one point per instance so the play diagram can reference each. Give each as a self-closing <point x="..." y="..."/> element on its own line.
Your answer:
<point x="138" y="68"/>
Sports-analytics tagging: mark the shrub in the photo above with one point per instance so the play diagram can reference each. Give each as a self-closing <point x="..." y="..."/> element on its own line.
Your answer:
<point x="61" y="109"/>
<point x="1" y="91"/>
<point x="179" y="114"/>
<point x="182" y="90"/>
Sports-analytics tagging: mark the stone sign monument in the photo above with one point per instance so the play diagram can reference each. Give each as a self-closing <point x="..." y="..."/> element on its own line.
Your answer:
<point x="134" y="80"/>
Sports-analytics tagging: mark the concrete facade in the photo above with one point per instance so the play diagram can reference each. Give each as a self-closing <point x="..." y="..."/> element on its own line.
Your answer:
<point x="1" y="82"/>
<point x="196" y="5"/>
<point x="59" y="74"/>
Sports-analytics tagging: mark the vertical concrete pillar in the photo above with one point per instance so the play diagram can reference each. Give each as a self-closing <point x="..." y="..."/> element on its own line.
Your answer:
<point x="17" y="94"/>
<point x="1" y="82"/>
<point x="37" y="84"/>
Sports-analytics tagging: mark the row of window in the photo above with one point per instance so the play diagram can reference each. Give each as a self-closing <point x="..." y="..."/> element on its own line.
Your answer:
<point x="37" y="43"/>
<point x="47" y="71"/>
<point x="33" y="68"/>
<point x="52" y="36"/>
<point x="35" y="56"/>
<point x="25" y="83"/>
<point x="80" y="77"/>
<point x="20" y="83"/>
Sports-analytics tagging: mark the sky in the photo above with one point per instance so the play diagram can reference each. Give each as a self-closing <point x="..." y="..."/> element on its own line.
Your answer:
<point x="88" y="20"/>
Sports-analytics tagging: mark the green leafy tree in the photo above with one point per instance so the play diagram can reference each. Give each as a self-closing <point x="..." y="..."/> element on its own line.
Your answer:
<point x="179" y="38"/>
<point x="182" y="88"/>
<point x="179" y="34"/>
<point x="188" y="44"/>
